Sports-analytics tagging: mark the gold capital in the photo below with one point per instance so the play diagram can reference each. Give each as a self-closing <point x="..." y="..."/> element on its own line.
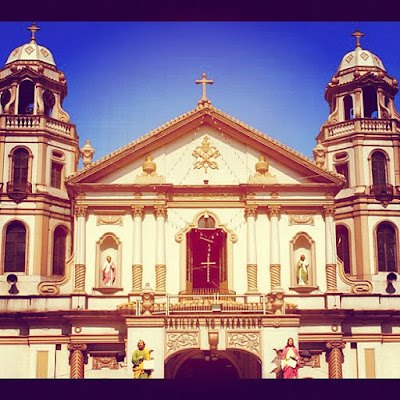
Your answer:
<point x="137" y="211"/>
<point x="274" y="210"/>
<point x="250" y="211"/>
<point x="160" y="210"/>
<point x="81" y="211"/>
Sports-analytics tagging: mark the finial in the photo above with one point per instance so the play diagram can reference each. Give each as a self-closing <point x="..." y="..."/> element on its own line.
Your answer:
<point x="33" y="29"/>
<point x="357" y="34"/>
<point x="204" y="81"/>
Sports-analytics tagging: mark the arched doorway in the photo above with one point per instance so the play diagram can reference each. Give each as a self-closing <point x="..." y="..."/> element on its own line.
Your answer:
<point x="228" y="365"/>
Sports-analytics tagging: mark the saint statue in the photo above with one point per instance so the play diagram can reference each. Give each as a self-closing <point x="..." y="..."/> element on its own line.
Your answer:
<point x="302" y="271"/>
<point x="140" y="360"/>
<point x="290" y="360"/>
<point x="108" y="272"/>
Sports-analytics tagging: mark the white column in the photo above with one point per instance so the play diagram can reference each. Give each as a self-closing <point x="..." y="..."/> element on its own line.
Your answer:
<point x="250" y="213"/>
<point x="275" y="262"/>
<point x="80" y="249"/>
<point x="160" y="212"/>
<point x="137" y="266"/>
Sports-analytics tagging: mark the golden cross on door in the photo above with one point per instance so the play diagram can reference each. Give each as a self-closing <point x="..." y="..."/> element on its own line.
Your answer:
<point x="208" y="264"/>
<point x="204" y="81"/>
<point x="33" y="30"/>
<point x="357" y="34"/>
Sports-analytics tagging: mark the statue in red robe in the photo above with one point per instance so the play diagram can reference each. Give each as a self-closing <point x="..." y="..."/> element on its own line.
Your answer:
<point x="290" y="360"/>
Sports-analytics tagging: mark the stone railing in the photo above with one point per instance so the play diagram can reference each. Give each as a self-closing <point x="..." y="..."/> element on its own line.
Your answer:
<point x="27" y="122"/>
<point x="357" y="125"/>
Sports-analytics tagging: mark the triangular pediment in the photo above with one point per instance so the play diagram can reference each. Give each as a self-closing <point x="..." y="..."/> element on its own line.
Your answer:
<point x="205" y="144"/>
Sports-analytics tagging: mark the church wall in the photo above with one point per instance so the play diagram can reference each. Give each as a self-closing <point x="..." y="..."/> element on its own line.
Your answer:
<point x="15" y="361"/>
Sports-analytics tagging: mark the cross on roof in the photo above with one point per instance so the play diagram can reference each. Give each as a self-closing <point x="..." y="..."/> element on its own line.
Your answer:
<point x="33" y="29"/>
<point x="357" y="34"/>
<point x="204" y="81"/>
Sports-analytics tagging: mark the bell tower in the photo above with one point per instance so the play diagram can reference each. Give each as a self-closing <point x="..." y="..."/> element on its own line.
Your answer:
<point x="360" y="140"/>
<point x="38" y="149"/>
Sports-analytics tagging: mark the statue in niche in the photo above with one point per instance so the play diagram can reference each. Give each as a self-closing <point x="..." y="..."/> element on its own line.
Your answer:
<point x="302" y="271"/>
<point x="149" y="174"/>
<point x="262" y="174"/>
<point x="108" y="272"/>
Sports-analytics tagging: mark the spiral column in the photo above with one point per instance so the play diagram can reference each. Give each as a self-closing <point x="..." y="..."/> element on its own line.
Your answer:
<point x="335" y="359"/>
<point x="250" y="213"/>
<point x="275" y="262"/>
<point x="77" y="359"/>
<point x="160" y="212"/>
<point x="137" y="268"/>
<point x="80" y="246"/>
<point x="330" y="249"/>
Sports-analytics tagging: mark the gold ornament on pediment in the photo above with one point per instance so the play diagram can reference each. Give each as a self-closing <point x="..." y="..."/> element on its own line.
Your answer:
<point x="301" y="219"/>
<point x="204" y="154"/>
<point x="246" y="341"/>
<point x="262" y="174"/>
<point x="149" y="174"/>
<point x="109" y="220"/>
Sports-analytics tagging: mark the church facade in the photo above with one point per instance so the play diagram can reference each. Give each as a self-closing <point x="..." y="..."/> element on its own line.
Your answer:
<point x="207" y="239"/>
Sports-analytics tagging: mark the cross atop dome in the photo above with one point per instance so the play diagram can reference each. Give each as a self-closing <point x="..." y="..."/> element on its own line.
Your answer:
<point x="357" y="34"/>
<point x="33" y="30"/>
<point x="204" y="81"/>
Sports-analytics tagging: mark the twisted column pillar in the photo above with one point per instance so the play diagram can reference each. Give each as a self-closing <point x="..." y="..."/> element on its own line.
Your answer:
<point x="80" y="252"/>
<point x="137" y="268"/>
<point x="250" y="213"/>
<point x="335" y="359"/>
<point x="275" y="262"/>
<point x="76" y="360"/>
<point x="330" y="249"/>
<point x="160" y="212"/>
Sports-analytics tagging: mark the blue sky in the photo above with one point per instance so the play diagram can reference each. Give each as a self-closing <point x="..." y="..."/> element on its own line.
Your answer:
<point x="127" y="78"/>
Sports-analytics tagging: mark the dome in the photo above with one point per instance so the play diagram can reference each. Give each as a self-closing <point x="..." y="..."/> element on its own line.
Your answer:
<point x="360" y="57"/>
<point x="31" y="51"/>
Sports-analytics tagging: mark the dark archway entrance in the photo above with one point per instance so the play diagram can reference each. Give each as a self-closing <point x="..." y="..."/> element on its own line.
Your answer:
<point x="229" y="365"/>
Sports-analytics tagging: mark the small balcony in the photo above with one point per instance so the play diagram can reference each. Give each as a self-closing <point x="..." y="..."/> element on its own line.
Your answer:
<point x="383" y="193"/>
<point x="18" y="191"/>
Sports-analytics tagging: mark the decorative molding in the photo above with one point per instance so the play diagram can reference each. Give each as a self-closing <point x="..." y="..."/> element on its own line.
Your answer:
<point x="81" y="211"/>
<point x="109" y="220"/>
<point x="274" y="195"/>
<point x="335" y="359"/>
<point x="274" y="210"/>
<point x="356" y="286"/>
<point x="329" y="211"/>
<point x="204" y="196"/>
<point x="176" y="341"/>
<point x="80" y="272"/>
<point x="331" y="280"/>
<point x="250" y="211"/>
<point x="213" y="340"/>
<point x="53" y="287"/>
<point x="77" y="360"/>
<point x="204" y="154"/>
<point x="313" y="361"/>
<point x="160" y="210"/>
<point x="100" y="362"/>
<point x="301" y="219"/>
<point x="249" y="341"/>
<point x="137" y="211"/>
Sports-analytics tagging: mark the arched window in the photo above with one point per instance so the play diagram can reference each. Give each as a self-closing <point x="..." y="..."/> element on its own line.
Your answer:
<point x="26" y="97"/>
<point x="386" y="246"/>
<point x="370" y="102"/>
<point x="348" y="108"/>
<point x="378" y="169"/>
<point x="20" y="160"/>
<point x="48" y="101"/>
<point x="343" y="246"/>
<point x="59" y="250"/>
<point x="14" y="260"/>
